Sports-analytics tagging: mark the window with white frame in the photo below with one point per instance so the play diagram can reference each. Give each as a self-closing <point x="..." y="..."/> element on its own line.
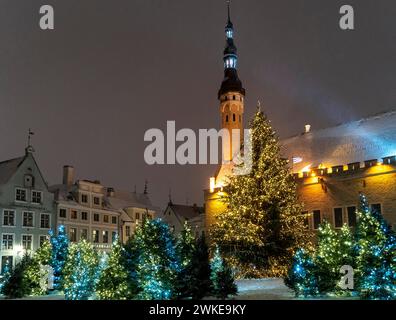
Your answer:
<point x="27" y="220"/>
<point x="20" y="194"/>
<point x="95" y="236"/>
<point x="73" y="234"/>
<point x="105" y="236"/>
<point x="45" y="221"/>
<point x="37" y="196"/>
<point x="62" y="213"/>
<point x="42" y="239"/>
<point x="27" y="241"/>
<point x="7" y="242"/>
<point x="9" y="218"/>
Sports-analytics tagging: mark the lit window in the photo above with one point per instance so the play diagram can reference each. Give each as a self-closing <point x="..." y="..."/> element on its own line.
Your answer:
<point x="20" y="195"/>
<point x="105" y="236"/>
<point x="95" y="236"/>
<point x="27" y="242"/>
<point x="7" y="242"/>
<point x="36" y="196"/>
<point x="45" y="221"/>
<point x="8" y="218"/>
<point x="27" y="219"/>
<point x="73" y="234"/>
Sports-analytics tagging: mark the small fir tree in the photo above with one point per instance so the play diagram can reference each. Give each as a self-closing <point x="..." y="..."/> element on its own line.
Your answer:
<point x="16" y="285"/>
<point x="222" y="278"/>
<point x="80" y="271"/>
<point x="301" y="277"/>
<point x="158" y="264"/>
<point x="60" y="247"/>
<point x="376" y="260"/>
<point x="113" y="280"/>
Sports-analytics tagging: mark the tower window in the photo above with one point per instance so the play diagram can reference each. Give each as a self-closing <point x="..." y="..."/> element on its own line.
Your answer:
<point x="233" y="117"/>
<point x="233" y="97"/>
<point x="240" y="118"/>
<point x="227" y="118"/>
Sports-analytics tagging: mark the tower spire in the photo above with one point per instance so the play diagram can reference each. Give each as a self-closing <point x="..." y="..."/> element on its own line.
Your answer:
<point x="228" y="9"/>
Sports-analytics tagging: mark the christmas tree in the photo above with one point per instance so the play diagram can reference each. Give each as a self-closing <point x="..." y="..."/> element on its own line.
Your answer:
<point x="222" y="278"/>
<point x="16" y="285"/>
<point x="264" y="224"/>
<point x="301" y="277"/>
<point x="37" y="273"/>
<point x="376" y="260"/>
<point x="5" y="275"/>
<point x="80" y="271"/>
<point x="185" y="248"/>
<point x="60" y="247"/>
<point x="158" y="264"/>
<point x="132" y="253"/>
<point x="335" y="250"/>
<point x="200" y="285"/>
<point x="113" y="280"/>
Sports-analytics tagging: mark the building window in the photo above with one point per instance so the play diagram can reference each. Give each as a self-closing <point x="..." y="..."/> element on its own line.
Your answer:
<point x="306" y="221"/>
<point x="137" y="216"/>
<point x="338" y="218"/>
<point x="114" y="220"/>
<point x="73" y="214"/>
<point x="6" y="262"/>
<point x="376" y="207"/>
<point x="113" y="236"/>
<point x="27" y="242"/>
<point x="84" y="234"/>
<point x="233" y="117"/>
<point x="317" y="219"/>
<point x="62" y="213"/>
<point x="7" y="242"/>
<point x="84" y="198"/>
<point x="42" y="239"/>
<point x="20" y="195"/>
<point x="105" y="236"/>
<point x="96" y="201"/>
<point x="73" y="234"/>
<point x="106" y="218"/>
<point x="95" y="236"/>
<point x="27" y="219"/>
<point x="96" y="217"/>
<point x="8" y="218"/>
<point x="351" y="216"/>
<point x="128" y="231"/>
<point x="45" y="221"/>
<point x="37" y="196"/>
<point x="84" y="215"/>
<point x="226" y="118"/>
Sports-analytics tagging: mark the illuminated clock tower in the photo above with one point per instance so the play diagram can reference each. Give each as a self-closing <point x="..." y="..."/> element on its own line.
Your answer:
<point x="232" y="99"/>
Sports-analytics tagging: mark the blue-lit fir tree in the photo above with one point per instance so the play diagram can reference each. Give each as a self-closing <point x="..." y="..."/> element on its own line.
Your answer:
<point x="60" y="248"/>
<point x="376" y="260"/>
<point x="80" y="271"/>
<point x="158" y="265"/>
<point x="223" y="283"/>
<point x="301" y="277"/>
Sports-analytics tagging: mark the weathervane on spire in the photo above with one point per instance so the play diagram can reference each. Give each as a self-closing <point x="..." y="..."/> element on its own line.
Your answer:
<point x="29" y="148"/>
<point x="228" y="7"/>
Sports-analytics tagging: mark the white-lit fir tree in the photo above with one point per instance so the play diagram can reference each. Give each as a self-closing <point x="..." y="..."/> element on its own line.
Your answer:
<point x="263" y="225"/>
<point x="158" y="265"/>
<point x="376" y="260"/>
<point x="80" y="271"/>
<point x="223" y="283"/>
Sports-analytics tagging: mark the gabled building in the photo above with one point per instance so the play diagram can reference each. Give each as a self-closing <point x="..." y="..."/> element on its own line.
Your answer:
<point x="175" y="215"/>
<point x="26" y="208"/>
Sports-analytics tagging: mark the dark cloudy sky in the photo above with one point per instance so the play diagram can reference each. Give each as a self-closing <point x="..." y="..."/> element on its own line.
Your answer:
<point x="113" y="69"/>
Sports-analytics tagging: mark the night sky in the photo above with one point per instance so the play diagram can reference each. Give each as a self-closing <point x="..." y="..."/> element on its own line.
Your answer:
<point x="113" y="69"/>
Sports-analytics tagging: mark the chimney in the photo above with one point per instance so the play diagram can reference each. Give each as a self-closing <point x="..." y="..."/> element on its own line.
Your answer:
<point x="307" y="128"/>
<point x="110" y="192"/>
<point x="68" y="175"/>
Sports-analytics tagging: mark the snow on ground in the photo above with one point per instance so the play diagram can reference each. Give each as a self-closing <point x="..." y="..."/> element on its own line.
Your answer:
<point x="263" y="289"/>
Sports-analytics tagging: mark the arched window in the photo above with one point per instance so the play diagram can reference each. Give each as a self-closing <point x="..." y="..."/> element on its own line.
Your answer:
<point x="233" y="117"/>
<point x="227" y="118"/>
<point x="240" y="118"/>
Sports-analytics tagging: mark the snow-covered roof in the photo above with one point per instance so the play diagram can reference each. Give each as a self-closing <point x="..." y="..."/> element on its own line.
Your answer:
<point x="356" y="141"/>
<point x="8" y="168"/>
<point x="125" y="199"/>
